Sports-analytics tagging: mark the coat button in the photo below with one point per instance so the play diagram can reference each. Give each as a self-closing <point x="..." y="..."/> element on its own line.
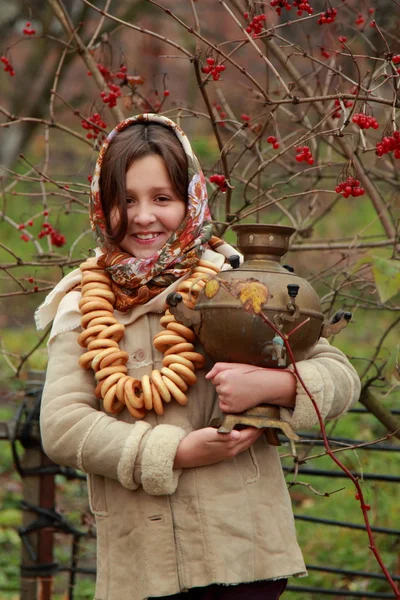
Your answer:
<point x="139" y="355"/>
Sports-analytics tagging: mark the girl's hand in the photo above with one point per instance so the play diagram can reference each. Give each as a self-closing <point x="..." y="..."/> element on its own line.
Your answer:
<point x="207" y="446"/>
<point x="240" y="386"/>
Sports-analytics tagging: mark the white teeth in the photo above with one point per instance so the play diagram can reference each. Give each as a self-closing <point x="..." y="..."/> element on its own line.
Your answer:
<point x="146" y="236"/>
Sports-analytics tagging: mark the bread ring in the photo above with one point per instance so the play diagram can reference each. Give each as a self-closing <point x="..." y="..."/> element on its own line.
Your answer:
<point x="165" y="319"/>
<point x="206" y="270"/>
<point x="97" y="391"/>
<point x="208" y="265"/>
<point x="162" y="343"/>
<point x="103" y="343"/>
<point x="84" y="337"/>
<point x="147" y="395"/>
<point x="136" y="413"/>
<point x="103" y="373"/>
<point x="109" y="382"/>
<point x="177" y="358"/>
<point x="115" y="332"/>
<point x="120" y="388"/>
<point x="111" y="403"/>
<point x="175" y="378"/>
<point x="85" y="360"/>
<point x="116" y="358"/>
<point x="101" y="293"/>
<point x="192" y="287"/>
<point x="181" y="347"/>
<point x="94" y="285"/>
<point x="95" y="304"/>
<point x="93" y="315"/>
<point x="131" y="398"/>
<point x="175" y="391"/>
<point x="157" y="379"/>
<point x="90" y="264"/>
<point x="157" y="402"/>
<point x="184" y="372"/>
<point x="185" y="332"/>
<point x="102" y="321"/>
<point x="198" y="359"/>
<point x="93" y="276"/>
<point x="102" y="354"/>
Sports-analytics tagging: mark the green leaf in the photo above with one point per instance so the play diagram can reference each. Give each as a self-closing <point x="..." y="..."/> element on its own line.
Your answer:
<point x="387" y="277"/>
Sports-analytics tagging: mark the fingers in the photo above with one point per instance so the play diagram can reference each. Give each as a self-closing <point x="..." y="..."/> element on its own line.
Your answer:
<point x="218" y="367"/>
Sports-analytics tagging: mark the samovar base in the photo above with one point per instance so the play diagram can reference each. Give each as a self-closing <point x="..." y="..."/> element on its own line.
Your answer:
<point x="264" y="416"/>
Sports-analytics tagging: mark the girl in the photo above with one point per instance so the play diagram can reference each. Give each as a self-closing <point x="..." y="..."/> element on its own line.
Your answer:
<point x="179" y="507"/>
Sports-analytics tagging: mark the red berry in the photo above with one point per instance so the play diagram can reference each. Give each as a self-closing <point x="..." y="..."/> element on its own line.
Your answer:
<point x="36" y="289"/>
<point x="271" y="139"/>
<point x="396" y="59"/>
<point x="31" y="280"/>
<point x="367" y="507"/>
<point x="210" y="61"/>
<point x="45" y="213"/>
<point x="166" y="93"/>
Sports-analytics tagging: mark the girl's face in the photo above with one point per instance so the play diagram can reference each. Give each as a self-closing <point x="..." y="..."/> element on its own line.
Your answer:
<point x="154" y="209"/>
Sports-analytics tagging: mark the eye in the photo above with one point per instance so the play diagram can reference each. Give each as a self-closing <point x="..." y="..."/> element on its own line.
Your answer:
<point x="162" y="199"/>
<point x="130" y="200"/>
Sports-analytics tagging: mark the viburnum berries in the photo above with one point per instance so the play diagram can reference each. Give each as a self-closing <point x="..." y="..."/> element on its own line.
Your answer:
<point x="303" y="5"/>
<point x="327" y="17"/>
<point x="303" y="153"/>
<point x="350" y="187"/>
<point x="360" y="19"/>
<point x="389" y="143"/>
<point x="56" y="237"/>
<point x="365" y="121"/>
<point x="213" y="68"/>
<point x="337" y="113"/>
<point x="95" y="120"/>
<point x="220" y="181"/>
<point x="111" y="97"/>
<point x="256" y="24"/>
<point x="279" y="4"/>
<point x="396" y="59"/>
<point x="325" y="53"/>
<point x="8" y="68"/>
<point x="28" y="29"/>
<point x="271" y="139"/>
<point x="245" y="117"/>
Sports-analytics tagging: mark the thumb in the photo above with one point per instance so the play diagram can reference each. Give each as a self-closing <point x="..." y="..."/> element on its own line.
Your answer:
<point x="232" y="436"/>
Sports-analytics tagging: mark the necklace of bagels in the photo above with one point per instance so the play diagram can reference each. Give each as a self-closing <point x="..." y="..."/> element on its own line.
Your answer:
<point x="101" y="334"/>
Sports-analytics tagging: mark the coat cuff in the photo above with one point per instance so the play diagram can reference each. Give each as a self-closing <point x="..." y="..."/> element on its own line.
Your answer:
<point x="129" y="454"/>
<point x="321" y="387"/>
<point x="158" y="474"/>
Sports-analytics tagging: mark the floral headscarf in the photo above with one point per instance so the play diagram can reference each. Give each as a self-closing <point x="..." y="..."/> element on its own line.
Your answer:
<point x="136" y="280"/>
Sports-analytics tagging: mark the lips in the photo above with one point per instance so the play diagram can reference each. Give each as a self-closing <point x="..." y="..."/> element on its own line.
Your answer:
<point x="146" y="236"/>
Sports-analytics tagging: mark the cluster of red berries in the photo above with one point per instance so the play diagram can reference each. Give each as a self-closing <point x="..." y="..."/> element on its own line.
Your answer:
<point x="212" y="68"/>
<point x="303" y="5"/>
<point x="303" y="154"/>
<point x="365" y="121"/>
<point x="220" y="181"/>
<point x="389" y="143"/>
<point x="279" y="4"/>
<point x="221" y="113"/>
<point x="56" y="237"/>
<point x="337" y="113"/>
<point x="396" y="59"/>
<point x="350" y="187"/>
<point x="95" y="122"/>
<point x="325" y="52"/>
<point x="7" y="66"/>
<point x="271" y="139"/>
<point x="256" y="24"/>
<point x="28" y="29"/>
<point x="111" y="97"/>
<point x="327" y="17"/>
<point x="360" y="19"/>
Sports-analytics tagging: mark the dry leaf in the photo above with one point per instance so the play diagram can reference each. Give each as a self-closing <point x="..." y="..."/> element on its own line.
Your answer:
<point x="211" y="288"/>
<point x="252" y="295"/>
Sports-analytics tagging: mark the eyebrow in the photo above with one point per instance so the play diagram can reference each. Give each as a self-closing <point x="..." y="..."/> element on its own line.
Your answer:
<point x="156" y="190"/>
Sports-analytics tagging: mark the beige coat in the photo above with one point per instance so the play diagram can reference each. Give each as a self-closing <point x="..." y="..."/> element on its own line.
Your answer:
<point x="162" y="530"/>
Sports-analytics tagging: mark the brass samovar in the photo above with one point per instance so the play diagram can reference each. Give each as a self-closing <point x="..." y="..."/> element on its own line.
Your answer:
<point x="228" y="333"/>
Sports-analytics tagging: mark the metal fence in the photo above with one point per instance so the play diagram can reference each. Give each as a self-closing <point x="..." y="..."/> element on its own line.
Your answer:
<point x="42" y="521"/>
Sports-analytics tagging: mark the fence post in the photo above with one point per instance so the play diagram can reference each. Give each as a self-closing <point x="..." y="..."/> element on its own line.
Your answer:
<point x="37" y="565"/>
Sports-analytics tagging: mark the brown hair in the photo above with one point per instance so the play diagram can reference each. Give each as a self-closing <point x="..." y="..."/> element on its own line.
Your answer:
<point x="133" y="143"/>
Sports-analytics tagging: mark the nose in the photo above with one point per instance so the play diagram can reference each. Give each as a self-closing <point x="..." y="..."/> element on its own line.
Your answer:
<point x="143" y="214"/>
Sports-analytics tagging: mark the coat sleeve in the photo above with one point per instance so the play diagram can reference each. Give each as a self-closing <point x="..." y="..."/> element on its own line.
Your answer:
<point x="76" y="433"/>
<point x="332" y="381"/>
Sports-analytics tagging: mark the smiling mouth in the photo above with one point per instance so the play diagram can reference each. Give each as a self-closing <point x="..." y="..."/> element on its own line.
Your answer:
<point x="146" y="236"/>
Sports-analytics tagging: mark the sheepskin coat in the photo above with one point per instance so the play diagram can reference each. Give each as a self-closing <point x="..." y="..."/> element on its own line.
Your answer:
<point x="161" y="530"/>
